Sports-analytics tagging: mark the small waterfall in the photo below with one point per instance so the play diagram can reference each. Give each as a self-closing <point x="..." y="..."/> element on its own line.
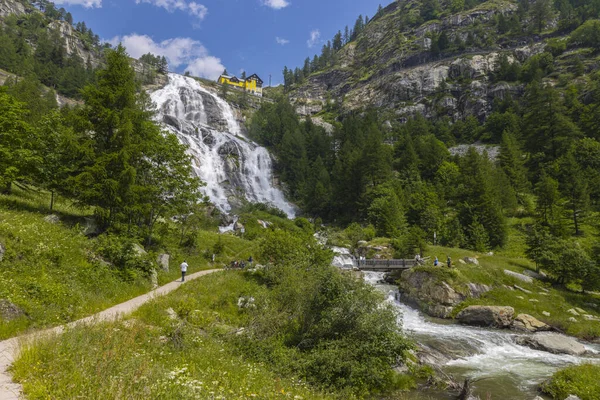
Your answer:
<point x="231" y="165"/>
<point x="504" y="367"/>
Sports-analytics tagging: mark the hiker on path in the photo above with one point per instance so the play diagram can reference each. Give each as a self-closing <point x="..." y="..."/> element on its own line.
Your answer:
<point x="184" y="267"/>
<point x="449" y="262"/>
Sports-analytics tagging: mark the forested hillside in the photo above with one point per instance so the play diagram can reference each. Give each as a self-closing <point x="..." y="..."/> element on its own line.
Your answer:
<point x="382" y="165"/>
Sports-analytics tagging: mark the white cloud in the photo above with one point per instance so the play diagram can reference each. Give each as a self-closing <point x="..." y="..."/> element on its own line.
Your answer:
<point x="178" y="51"/>
<point x="85" y="3"/>
<point x="192" y="8"/>
<point x="209" y="67"/>
<point x="315" y="35"/>
<point x="276" y="4"/>
<point x="281" y="41"/>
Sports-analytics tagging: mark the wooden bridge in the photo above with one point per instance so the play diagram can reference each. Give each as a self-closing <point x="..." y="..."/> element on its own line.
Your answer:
<point x="386" y="265"/>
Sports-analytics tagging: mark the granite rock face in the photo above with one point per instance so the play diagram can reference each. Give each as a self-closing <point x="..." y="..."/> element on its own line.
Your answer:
<point x="488" y="316"/>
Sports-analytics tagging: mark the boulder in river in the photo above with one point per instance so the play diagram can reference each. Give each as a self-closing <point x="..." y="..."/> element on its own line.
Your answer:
<point x="490" y="316"/>
<point x="552" y="343"/>
<point x="525" y="322"/>
<point x="425" y="287"/>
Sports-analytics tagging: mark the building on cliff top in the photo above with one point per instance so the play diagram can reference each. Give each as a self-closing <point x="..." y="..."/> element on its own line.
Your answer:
<point x="252" y="84"/>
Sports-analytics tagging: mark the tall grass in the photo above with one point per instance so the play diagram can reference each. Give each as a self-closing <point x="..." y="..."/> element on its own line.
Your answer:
<point x="155" y="355"/>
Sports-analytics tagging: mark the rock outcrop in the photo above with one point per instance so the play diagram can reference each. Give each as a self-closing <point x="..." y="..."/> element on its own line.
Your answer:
<point x="525" y="322"/>
<point x="432" y="296"/>
<point x="487" y="316"/>
<point x="552" y="343"/>
<point x="521" y="277"/>
<point x="163" y="261"/>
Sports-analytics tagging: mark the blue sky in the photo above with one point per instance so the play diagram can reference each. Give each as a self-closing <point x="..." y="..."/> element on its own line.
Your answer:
<point x="205" y="36"/>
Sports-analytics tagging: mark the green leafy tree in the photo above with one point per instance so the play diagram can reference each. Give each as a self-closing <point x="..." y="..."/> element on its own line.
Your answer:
<point x="588" y="34"/>
<point x="566" y="261"/>
<point x="17" y="156"/>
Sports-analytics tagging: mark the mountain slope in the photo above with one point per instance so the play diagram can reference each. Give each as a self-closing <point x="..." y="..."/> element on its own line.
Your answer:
<point x="441" y="67"/>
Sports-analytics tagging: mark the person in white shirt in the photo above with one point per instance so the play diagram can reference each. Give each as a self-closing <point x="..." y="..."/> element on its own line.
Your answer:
<point x="184" y="267"/>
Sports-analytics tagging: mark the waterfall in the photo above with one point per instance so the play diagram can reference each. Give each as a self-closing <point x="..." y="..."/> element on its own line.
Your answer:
<point x="503" y="367"/>
<point x="231" y="165"/>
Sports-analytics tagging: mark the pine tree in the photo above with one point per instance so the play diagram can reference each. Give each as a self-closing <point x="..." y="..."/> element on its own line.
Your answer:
<point x="306" y="69"/>
<point x="511" y="162"/>
<point x="541" y="12"/>
<point x="337" y="41"/>
<point x="346" y="35"/>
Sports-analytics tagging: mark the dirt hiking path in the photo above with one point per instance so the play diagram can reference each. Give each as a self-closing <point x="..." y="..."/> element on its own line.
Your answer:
<point x="9" y="349"/>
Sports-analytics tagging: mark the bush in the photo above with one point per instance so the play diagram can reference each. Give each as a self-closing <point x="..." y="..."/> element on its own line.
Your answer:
<point x="120" y="252"/>
<point x="579" y="380"/>
<point x="324" y="325"/>
<point x="588" y="34"/>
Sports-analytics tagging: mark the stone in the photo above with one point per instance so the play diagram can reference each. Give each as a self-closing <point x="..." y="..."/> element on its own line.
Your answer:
<point x="90" y="227"/>
<point x="535" y="275"/>
<point x="425" y="287"/>
<point x="264" y="224"/>
<point x="9" y="311"/>
<point x="525" y="322"/>
<point x="521" y="297"/>
<point x="489" y="316"/>
<point x="163" y="261"/>
<point x="572" y="319"/>
<point x="521" y="277"/>
<point x="553" y="343"/>
<point x="154" y="278"/>
<point x="439" y="311"/>
<point x="52" y="218"/>
<point x="534" y="300"/>
<point x="580" y="311"/>
<point x="573" y="312"/>
<point x="522" y="290"/>
<point x="172" y="314"/>
<point x="2" y="251"/>
<point x="462" y="261"/>
<point x="477" y="289"/>
<point x="546" y="313"/>
<point x="238" y="227"/>
<point x="589" y="317"/>
<point x="572" y="397"/>
<point x="471" y="260"/>
<point x="138" y="250"/>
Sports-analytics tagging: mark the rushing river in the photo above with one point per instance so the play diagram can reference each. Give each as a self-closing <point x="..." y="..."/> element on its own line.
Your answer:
<point x="491" y="358"/>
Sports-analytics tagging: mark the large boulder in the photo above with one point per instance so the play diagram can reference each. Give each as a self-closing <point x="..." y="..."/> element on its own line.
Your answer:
<point x="489" y="316"/>
<point x="521" y="277"/>
<point x="425" y="287"/>
<point x="139" y="250"/>
<point x="552" y="343"/>
<point x="163" y="261"/>
<point x="525" y="322"/>
<point x="477" y="289"/>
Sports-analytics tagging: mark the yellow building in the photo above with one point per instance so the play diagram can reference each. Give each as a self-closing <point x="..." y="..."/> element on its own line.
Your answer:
<point x="252" y="84"/>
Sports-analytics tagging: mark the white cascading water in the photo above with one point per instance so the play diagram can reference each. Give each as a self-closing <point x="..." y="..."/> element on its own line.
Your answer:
<point x="506" y="368"/>
<point x="231" y="165"/>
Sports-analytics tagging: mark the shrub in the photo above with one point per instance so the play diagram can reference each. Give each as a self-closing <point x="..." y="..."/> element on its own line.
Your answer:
<point x="579" y="380"/>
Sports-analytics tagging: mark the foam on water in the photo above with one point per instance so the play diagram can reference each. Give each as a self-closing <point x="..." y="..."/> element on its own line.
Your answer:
<point x="229" y="163"/>
<point x="488" y="353"/>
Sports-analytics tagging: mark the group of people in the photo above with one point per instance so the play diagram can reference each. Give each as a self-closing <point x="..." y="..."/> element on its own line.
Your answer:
<point x="436" y="262"/>
<point x="240" y="264"/>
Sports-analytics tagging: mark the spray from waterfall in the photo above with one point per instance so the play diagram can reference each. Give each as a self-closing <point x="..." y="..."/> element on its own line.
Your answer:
<point x="231" y="165"/>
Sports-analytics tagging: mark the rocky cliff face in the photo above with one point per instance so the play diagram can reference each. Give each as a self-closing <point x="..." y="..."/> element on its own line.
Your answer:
<point x="393" y="68"/>
<point x="10" y="7"/>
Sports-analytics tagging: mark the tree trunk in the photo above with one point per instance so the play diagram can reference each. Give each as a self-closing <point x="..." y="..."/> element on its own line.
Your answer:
<point x="575" y="221"/>
<point x="51" y="200"/>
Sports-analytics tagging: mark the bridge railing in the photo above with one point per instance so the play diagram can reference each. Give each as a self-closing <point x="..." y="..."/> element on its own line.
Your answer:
<point x="393" y="264"/>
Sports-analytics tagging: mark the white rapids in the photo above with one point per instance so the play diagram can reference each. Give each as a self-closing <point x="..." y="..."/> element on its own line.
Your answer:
<point x="481" y="354"/>
<point x="231" y="165"/>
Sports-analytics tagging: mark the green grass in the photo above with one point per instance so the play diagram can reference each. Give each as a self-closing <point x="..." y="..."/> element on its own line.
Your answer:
<point x="581" y="380"/>
<point x="544" y="297"/>
<point x="153" y="356"/>
<point x="51" y="273"/>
